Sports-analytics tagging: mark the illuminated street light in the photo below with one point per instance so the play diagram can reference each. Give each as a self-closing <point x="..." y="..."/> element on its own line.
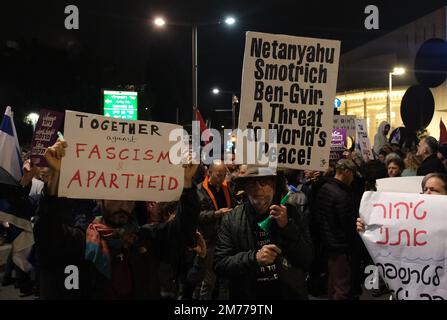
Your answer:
<point x="216" y="91"/>
<point x="159" y="22"/>
<point x="32" y="119"/>
<point x="397" y="71"/>
<point x="230" y="21"/>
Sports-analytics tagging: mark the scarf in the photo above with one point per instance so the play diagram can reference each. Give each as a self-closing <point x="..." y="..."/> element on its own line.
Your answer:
<point x="100" y="239"/>
<point x="213" y="199"/>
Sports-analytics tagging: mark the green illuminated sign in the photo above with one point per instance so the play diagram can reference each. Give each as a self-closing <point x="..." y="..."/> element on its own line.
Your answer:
<point x="121" y="104"/>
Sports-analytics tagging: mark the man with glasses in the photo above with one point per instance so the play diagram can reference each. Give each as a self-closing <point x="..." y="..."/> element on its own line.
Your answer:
<point x="263" y="262"/>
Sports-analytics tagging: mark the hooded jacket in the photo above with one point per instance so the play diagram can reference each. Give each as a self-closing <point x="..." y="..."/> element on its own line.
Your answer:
<point x="380" y="140"/>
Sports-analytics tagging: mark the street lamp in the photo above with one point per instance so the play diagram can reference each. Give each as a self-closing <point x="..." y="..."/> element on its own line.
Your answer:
<point x="160" y="22"/>
<point x="32" y="119"/>
<point x="397" y="71"/>
<point x="234" y="101"/>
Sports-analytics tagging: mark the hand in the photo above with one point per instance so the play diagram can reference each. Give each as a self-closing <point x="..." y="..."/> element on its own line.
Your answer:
<point x="29" y="171"/>
<point x="360" y="225"/>
<point x="221" y="212"/>
<point x="200" y="249"/>
<point x="190" y="171"/>
<point x="267" y="254"/>
<point x="279" y="213"/>
<point x="54" y="154"/>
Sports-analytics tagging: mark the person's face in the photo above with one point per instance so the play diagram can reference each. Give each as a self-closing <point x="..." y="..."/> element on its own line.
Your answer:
<point x="349" y="176"/>
<point x="260" y="193"/>
<point x="382" y="158"/>
<point x="393" y="170"/>
<point x="218" y="174"/>
<point x="386" y="129"/>
<point x="242" y="170"/>
<point x="117" y="212"/>
<point x="434" y="186"/>
<point x="422" y="148"/>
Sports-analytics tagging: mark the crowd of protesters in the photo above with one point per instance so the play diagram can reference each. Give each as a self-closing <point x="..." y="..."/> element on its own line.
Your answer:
<point x="210" y="244"/>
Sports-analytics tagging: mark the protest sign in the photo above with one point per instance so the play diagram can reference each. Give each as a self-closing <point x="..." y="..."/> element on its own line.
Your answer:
<point x="337" y="144"/>
<point x="346" y="122"/>
<point x="362" y="142"/>
<point x="405" y="236"/>
<point x="45" y="135"/>
<point x="400" y="184"/>
<point x="288" y="84"/>
<point x="118" y="159"/>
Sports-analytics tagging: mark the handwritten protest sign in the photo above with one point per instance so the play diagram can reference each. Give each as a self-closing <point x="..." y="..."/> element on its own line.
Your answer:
<point x="405" y="235"/>
<point x="288" y="84"/>
<point x="45" y="135"/>
<point x="346" y="122"/>
<point x="337" y="144"/>
<point x="362" y="142"/>
<point x="118" y="159"/>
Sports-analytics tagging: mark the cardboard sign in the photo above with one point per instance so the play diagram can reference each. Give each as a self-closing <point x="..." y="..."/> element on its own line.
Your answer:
<point x="362" y="142"/>
<point x="400" y="184"/>
<point x="405" y="236"/>
<point x="118" y="159"/>
<point x="337" y="144"/>
<point x="346" y="122"/>
<point x="288" y="84"/>
<point x="45" y="135"/>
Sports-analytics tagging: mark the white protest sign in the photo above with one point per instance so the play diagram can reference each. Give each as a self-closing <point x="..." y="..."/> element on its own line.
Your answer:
<point x="400" y="184"/>
<point x="117" y="159"/>
<point x="288" y="84"/>
<point x="406" y="237"/>
<point x="362" y="142"/>
<point x="345" y="122"/>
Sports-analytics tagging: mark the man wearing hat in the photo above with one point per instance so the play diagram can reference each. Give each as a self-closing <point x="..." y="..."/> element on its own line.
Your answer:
<point x="264" y="263"/>
<point x="336" y="218"/>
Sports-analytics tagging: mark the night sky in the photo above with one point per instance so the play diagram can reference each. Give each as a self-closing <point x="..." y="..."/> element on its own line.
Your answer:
<point x="117" y="45"/>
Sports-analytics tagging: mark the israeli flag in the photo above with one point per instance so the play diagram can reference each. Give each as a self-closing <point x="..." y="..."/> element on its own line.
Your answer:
<point x="10" y="156"/>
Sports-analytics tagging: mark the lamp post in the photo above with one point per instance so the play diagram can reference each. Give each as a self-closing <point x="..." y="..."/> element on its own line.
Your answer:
<point x="397" y="71"/>
<point x="160" y="22"/>
<point x="234" y="102"/>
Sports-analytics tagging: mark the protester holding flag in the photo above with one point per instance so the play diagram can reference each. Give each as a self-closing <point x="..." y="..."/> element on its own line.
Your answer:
<point x="115" y="258"/>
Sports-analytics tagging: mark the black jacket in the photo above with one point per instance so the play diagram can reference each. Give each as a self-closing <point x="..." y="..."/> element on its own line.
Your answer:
<point x="430" y="165"/>
<point x="336" y="216"/>
<point x="235" y="255"/>
<point x="208" y="224"/>
<point x="59" y="244"/>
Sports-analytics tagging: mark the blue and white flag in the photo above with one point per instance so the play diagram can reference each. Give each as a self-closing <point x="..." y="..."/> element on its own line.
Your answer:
<point x="10" y="157"/>
<point x="17" y="215"/>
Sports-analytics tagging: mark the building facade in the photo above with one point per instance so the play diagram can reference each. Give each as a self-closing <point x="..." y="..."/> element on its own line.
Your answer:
<point x="363" y="81"/>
